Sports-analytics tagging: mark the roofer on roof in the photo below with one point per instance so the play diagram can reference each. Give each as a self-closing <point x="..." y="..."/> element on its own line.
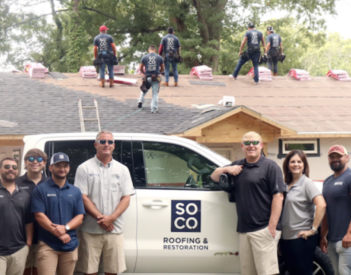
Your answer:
<point x="105" y="49"/>
<point x="274" y="43"/>
<point x="171" y="46"/>
<point x="253" y="38"/>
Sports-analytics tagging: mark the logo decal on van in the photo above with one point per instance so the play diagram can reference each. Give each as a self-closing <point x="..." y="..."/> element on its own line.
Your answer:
<point x="186" y="216"/>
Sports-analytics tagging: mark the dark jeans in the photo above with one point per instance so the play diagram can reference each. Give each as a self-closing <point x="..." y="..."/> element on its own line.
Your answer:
<point x="168" y="62"/>
<point x="273" y="62"/>
<point x="298" y="254"/>
<point x="255" y="57"/>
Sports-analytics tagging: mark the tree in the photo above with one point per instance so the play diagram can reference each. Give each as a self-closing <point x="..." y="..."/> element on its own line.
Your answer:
<point x="297" y="39"/>
<point x="201" y="25"/>
<point x="335" y="54"/>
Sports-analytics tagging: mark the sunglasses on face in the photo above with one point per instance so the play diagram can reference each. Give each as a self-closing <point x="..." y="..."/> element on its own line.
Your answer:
<point x="8" y="167"/>
<point x="103" y="141"/>
<point x="32" y="159"/>
<point x="255" y="142"/>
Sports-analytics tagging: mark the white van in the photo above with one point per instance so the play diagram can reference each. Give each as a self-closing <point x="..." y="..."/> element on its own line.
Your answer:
<point x="179" y="221"/>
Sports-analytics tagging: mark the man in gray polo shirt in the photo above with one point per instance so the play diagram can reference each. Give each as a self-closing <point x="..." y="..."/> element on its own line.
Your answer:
<point x="336" y="223"/>
<point x="16" y="220"/>
<point x="106" y="186"/>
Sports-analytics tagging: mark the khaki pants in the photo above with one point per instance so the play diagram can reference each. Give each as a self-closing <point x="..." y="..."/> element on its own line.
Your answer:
<point x="15" y="263"/>
<point x="92" y="245"/>
<point x="32" y="256"/>
<point x="49" y="261"/>
<point x="258" y="252"/>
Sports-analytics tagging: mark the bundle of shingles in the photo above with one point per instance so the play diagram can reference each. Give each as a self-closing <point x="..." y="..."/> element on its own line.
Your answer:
<point x="340" y="75"/>
<point x="35" y="70"/>
<point x="119" y="69"/>
<point x="264" y="74"/>
<point x="87" y="71"/>
<point x="202" y="72"/>
<point x="300" y="75"/>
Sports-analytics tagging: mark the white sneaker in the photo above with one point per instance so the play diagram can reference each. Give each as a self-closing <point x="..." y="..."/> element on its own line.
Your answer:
<point x="231" y="76"/>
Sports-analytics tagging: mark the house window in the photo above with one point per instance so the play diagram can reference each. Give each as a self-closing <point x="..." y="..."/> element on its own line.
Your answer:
<point x="309" y="146"/>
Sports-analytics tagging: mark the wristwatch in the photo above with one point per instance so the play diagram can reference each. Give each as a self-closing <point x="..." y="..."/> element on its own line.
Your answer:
<point x="67" y="227"/>
<point x="314" y="229"/>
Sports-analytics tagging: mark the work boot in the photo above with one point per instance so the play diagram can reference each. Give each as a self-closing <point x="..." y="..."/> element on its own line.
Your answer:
<point x="102" y="83"/>
<point x="275" y="74"/>
<point x="111" y="83"/>
<point x="175" y="84"/>
<point x="165" y="83"/>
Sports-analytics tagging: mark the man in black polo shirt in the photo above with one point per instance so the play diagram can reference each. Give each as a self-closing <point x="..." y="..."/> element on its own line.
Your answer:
<point x="258" y="193"/>
<point x="34" y="161"/>
<point x="16" y="230"/>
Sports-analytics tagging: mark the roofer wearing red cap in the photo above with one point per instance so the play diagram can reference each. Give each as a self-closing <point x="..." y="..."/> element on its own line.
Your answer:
<point x="274" y="44"/>
<point x="336" y="223"/>
<point x="105" y="48"/>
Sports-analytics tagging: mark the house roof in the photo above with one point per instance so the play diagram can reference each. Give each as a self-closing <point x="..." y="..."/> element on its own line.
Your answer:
<point x="320" y="106"/>
<point x="28" y="106"/>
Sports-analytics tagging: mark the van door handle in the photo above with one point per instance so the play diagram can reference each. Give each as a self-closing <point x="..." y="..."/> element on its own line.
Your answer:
<point x="155" y="204"/>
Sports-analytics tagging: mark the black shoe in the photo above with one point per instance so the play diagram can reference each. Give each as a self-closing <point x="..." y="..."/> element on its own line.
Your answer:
<point x="140" y="105"/>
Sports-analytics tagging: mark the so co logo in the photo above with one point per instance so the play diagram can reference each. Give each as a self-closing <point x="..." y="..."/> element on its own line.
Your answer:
<point x="186" y="216"/>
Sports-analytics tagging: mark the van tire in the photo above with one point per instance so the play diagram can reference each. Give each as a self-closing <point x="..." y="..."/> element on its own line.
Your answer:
<point x="321" y="264"/>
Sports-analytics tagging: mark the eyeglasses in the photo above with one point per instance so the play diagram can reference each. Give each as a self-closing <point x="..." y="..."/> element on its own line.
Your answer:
<point x="8" y="167"/>
<point x="32" y="159"/>
<point x="103" y="141"/>
<point x="255" y="142"/>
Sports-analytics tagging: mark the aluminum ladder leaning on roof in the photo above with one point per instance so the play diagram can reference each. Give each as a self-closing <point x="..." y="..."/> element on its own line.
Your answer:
<point x="81" y="118"/>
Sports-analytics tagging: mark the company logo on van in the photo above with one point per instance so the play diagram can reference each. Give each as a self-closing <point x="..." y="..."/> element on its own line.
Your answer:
<point x="186" y="216"/>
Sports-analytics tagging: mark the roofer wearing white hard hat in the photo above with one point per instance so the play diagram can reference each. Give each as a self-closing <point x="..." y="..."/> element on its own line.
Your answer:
<point x="337" y="221"/>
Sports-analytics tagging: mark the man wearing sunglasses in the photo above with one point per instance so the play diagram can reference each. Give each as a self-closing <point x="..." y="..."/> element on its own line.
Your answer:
<point x="16" y="221"/>
<point x="106" y="186"/>
<point x="258" y="192"/>
<point x="34" y="161"/>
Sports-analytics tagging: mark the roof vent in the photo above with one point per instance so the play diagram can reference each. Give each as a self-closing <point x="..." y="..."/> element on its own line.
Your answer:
<point x="8" y="124"/>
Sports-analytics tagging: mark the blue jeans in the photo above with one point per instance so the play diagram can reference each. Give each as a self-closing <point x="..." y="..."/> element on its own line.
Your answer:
<point x="255" y="57"/>
<point x="110" y="71"/>
<point x="340" y="258"/>
<point x="155" y="88"/>
<point x="168" y="62"/>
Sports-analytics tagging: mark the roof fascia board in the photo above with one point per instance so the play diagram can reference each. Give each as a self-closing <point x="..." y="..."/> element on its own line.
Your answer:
<point x="196" y="131"/>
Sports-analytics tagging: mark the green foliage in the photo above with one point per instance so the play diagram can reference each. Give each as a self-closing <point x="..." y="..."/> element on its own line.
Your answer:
<point x="210" y="31"/>
<point x="296" y="39"/>
<point x="335" y="54"/>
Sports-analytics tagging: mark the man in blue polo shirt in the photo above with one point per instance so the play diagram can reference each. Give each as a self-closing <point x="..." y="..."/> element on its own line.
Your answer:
<point x="59" y="210"/>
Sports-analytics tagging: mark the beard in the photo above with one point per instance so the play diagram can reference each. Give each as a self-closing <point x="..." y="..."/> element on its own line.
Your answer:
<point x="337" y="166"/>
<point x="5" y="176"/>
<point x="58" y="176"/>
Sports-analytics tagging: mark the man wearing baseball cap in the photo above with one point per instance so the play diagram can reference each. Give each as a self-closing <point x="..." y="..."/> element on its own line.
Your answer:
<point x="336" y="223"/>
<point x="59" y="210"/>
<point x="274" y="45"/>
<point x="253" y="38"/>
<point x="105" y="48"/>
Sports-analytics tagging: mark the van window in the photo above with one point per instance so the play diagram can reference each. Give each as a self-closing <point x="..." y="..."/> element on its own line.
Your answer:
<point x="78" y="151"/>
<point x="173" y="166"/>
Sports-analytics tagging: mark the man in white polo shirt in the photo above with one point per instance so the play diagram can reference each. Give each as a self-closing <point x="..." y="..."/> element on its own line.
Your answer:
<point x="106" y="187"/>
